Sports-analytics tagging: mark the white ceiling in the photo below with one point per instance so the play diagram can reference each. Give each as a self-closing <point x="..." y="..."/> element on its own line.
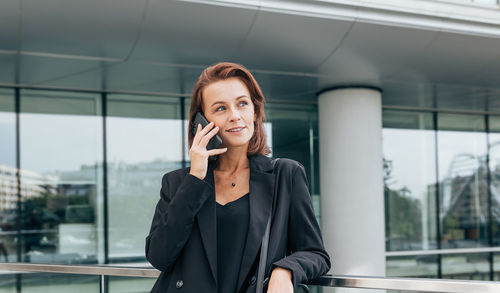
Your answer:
<point x="161" y="46"/>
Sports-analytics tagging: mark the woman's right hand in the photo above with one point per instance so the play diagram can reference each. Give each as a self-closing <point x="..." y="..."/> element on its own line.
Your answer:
<point x="199" y="153"/>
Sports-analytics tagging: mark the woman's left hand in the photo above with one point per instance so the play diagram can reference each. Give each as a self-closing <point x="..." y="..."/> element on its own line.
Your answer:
<point x="280" y="281"/>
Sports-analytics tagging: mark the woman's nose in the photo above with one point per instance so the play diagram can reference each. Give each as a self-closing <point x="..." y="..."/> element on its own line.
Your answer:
<point x="235" y="114"/>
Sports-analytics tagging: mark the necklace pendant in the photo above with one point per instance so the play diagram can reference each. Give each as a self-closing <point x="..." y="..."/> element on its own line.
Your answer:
<point x="233" y="184"/>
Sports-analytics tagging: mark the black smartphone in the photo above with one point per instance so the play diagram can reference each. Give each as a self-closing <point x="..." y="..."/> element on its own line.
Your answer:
<point x="215" y="142"/>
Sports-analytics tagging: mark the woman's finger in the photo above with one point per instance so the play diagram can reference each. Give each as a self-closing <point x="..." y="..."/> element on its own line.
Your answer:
<point x="204" y="131"/>
<point x="205" y="139"/>
<point x="217" y="151"/>
<point x="196" y="137"/>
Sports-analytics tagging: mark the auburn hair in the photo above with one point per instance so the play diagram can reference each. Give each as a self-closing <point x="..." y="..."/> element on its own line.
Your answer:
<point x="223" y="71"/>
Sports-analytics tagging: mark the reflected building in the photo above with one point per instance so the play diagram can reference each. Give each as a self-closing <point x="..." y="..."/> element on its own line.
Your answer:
<point x="465" y="202"/>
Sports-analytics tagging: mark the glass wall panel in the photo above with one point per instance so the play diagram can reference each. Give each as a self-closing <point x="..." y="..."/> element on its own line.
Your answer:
<point x="8" y="282"/>
<point x="144" y="141"/>
<point x="496" y="266"/>
<point x="494" y="151"/>
<point x="409" y="180"/>
<point x="292" y="132"/>
<point x="408" y="94"/>
<point x="61" y="171"/>
<point x="59" y="283"/>
<point x="463" y="189"/>
<point x="130" y="285"/>
<point x="419" y="266"/>
<point x="474" y="266"/>
<point x="460" y="97"/>
<point x="8" y="177"/>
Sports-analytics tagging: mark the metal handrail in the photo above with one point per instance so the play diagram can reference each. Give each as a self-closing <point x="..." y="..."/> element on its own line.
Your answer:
<point x="404" y="284"/>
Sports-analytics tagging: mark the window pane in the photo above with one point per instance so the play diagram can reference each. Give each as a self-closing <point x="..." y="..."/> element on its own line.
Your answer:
<point x="8" y="178"/>
<point x="463" y="189"/>
<point x="8" y="282"/>
<point x="461" y="97"/>
<point x="7" y="103"/>
<point x="59" y="283"/>
<point x="144" y="141"/>
<point x="61" y="155"/>
<point x="292" y="132"/>
<point x="130" y="284"/>
<point x="494" y="149"/>
<point x="55" y="102"/>
<point x="466" y="266"/>
<point x="419" y="266"/>
<point x="496" y="267"/>
<point x="397" y="93"/>
<point x="409" y="180"/>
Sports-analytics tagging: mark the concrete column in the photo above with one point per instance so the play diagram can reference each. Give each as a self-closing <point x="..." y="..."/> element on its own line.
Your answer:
<point x="351" y="176"/>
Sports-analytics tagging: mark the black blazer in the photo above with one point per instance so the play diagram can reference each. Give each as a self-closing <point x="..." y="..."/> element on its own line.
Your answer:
<point x="182" y="240"/>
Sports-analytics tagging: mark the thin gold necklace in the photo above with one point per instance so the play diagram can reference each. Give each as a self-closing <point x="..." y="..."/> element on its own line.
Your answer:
<point x="233" y="182"/>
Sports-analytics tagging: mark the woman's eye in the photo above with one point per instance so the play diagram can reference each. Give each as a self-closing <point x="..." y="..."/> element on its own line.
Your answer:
<point x="243" y="103"/>
<point x="220" y="108"/>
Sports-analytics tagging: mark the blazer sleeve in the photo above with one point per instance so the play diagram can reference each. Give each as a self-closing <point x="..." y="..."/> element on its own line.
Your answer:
<point x="307" y="257"/>
<point x="174" y="218"/>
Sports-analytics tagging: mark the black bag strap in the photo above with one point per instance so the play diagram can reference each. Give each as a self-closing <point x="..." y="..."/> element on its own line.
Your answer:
<point x="263" y="249"/>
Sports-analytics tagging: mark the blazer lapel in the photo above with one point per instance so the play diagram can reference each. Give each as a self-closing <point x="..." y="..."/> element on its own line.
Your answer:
<point x="207" y="222"/>
<point x="261" y="195"/>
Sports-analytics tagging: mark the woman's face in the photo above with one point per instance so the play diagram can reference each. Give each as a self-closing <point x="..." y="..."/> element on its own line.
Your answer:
<point x="227" y="103"/>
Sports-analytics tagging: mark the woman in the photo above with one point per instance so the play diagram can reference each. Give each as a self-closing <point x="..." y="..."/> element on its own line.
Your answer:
<point x="210" y="220"/>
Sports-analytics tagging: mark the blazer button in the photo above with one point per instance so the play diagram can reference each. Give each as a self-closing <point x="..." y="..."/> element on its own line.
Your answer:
<point x="253" y="279"/>
<point x="179" y="284"/>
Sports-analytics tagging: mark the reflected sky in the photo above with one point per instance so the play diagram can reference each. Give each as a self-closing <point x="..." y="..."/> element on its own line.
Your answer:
<point x="59" y="142"/>
<point x="413" y="159"/>
<point x="412" y="151"/>
<point x="135" y="140"/>
<point x="66" y="142"/>
<point x="455" y="146"/>
<point x="7" y="139"/>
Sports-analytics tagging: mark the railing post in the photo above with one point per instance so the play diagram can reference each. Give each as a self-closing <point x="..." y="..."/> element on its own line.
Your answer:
<point x="102" y="283"/>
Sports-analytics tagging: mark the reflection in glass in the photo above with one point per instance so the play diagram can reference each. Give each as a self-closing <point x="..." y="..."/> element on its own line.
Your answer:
<point x="292" y="132"/>
<point x="8" y="178"/>
<point x="59" y="283"/>
<point x="461" y="97"/>
<point x="61" y="151"/>
<point x="409" y="180"/>
<point x="292" y="126"/>
<point x="130" y="284"/>
<point x="463" y="189"/>
<point x="494" y="151"/>
<point x="419" y="266"/>
<point x="496" y="267"/>
<point x="144" y="141"/>
<point x="473" y="266"/>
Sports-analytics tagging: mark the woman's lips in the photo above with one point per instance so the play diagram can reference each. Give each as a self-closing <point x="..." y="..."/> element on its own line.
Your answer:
<point x="235" y="130"/>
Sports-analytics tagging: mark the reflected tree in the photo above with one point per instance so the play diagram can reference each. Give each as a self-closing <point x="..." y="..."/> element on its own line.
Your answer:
<point x="403" y="215"/>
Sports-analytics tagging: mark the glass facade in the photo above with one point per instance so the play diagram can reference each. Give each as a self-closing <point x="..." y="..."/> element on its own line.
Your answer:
<point x="420" y="266"/>
<point x="441" y="191"/>
<point x="8" y="177"/>
<point x="409" y="180"/>
<point x="463" y="192"/>
<point x="143" y="141"/>
<point x="292" y="132"/>
<point x="61" y="154"/>
<point x="90" y="171"/>
<point x="91" y="164"/>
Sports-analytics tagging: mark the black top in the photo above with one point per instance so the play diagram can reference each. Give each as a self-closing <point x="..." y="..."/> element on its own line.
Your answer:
<point x="232" y="229"/>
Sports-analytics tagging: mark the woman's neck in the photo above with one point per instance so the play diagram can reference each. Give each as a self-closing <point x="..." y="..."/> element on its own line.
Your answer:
<point x="233" y="160"/>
